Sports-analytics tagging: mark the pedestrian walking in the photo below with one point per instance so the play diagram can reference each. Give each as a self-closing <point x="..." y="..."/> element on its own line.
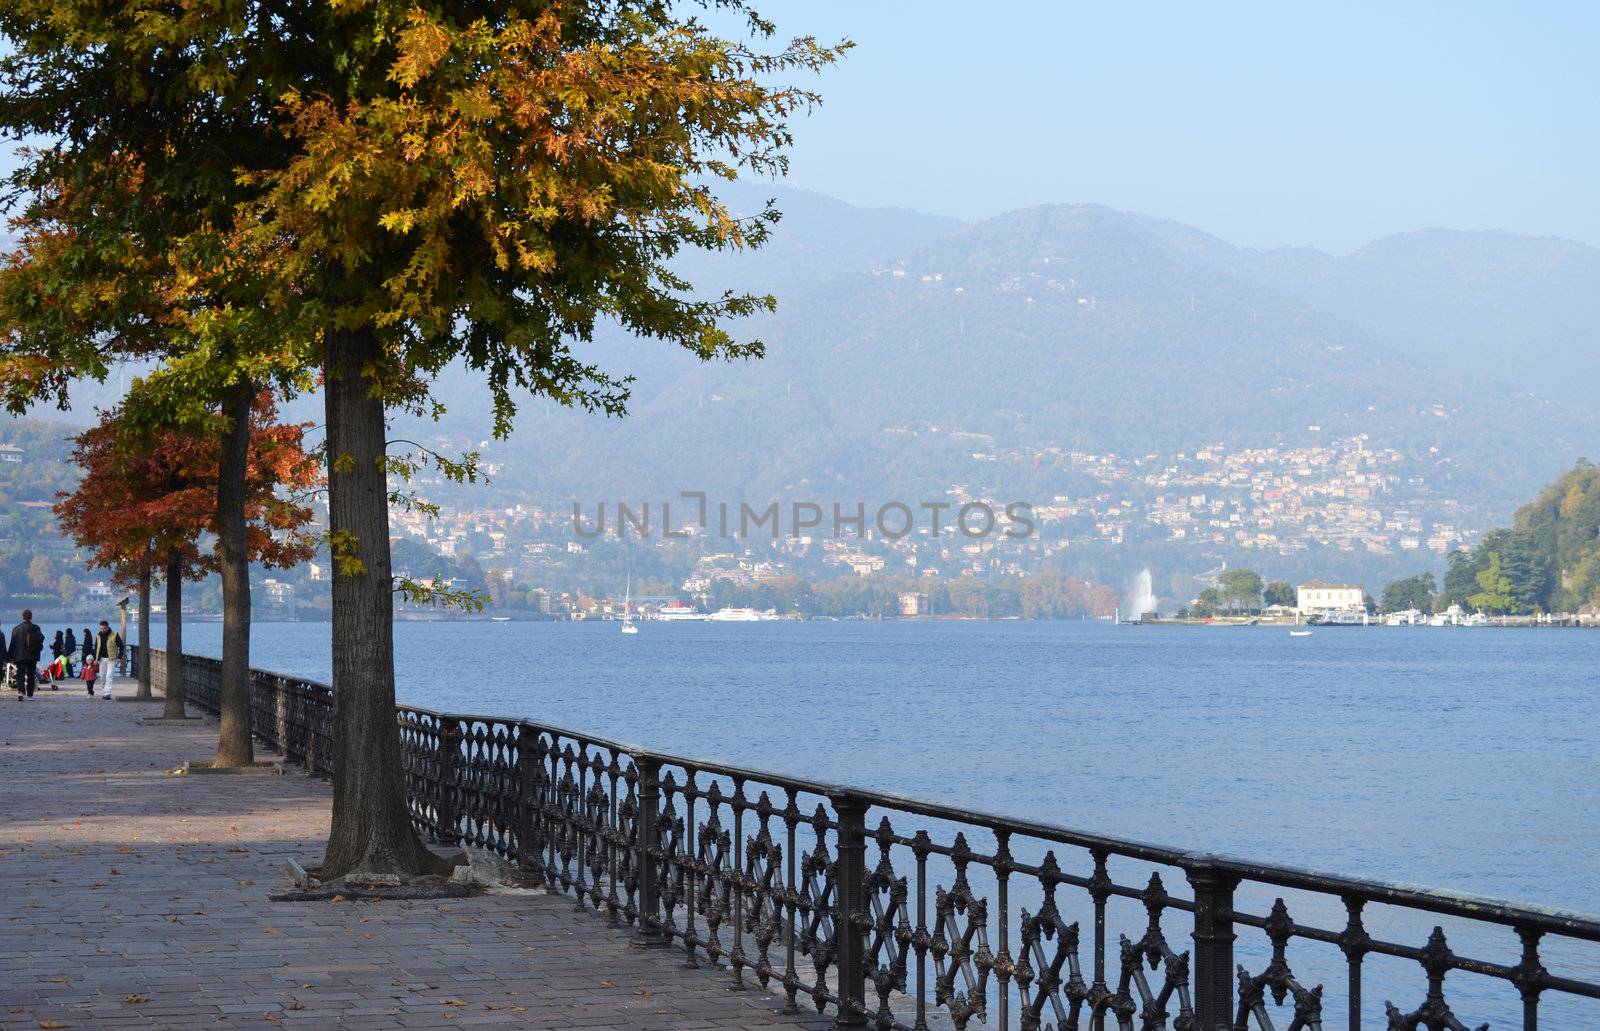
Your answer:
<point x="107" y="650"/>
<point x="91" y="670"/>
<point x="71" y="652"/>
<point x="88" y="645"/>
<point x="27" y="644"/>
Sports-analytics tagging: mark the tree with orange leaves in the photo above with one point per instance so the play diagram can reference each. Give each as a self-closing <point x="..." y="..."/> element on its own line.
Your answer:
<point x="144" y="505"/>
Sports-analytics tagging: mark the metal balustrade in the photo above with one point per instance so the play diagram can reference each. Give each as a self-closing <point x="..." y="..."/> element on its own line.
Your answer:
<point x="892" y="912"/>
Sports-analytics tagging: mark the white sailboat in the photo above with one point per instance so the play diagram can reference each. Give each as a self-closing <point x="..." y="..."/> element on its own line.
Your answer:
<point x="627" y="609"/>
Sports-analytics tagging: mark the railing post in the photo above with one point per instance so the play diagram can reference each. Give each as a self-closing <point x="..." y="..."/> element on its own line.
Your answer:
<point x="448" y="820"/>
<point x="646" y="843"/>
<point x="1213" y="944"/>
<point x="849" y="889"/>
<point x="530" y="846"/>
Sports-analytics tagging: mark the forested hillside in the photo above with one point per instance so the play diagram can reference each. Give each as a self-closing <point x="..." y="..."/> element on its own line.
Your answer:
<point x="1547" y="561"/>
<point x="37" y="565"/>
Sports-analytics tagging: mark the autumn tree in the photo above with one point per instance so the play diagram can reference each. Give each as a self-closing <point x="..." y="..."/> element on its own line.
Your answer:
<point x="41" y="571"/>
<point x="146" y="503"/>
<point x="127" y="184"/>
<point x="377" y="189"/>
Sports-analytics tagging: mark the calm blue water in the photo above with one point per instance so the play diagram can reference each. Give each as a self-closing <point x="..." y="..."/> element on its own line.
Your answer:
<point x="1460" y="759"/>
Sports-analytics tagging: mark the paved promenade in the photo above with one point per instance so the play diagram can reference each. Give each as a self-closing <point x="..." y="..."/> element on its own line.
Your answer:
<point x="130" y="897"/>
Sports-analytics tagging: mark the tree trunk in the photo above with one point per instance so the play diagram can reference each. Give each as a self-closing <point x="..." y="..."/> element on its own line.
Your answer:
<point x="174" y="685"/>
<point x="234" y="747"/>
<point x="143" y="670"/>
<point x="372" y="831"/>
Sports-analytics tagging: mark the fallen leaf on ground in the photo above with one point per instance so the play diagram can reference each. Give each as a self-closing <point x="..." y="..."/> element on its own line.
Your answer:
<point x="135" y="999"/>
<point x="51" y="1024"/>
<point x="270" y="930"/>
<point x="451" y="1002"/>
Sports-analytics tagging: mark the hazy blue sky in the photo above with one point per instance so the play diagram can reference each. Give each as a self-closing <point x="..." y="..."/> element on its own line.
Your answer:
<point x="1266" y="123"/>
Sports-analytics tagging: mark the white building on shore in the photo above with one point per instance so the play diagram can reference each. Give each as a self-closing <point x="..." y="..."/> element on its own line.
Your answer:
<point x="1315" y="597"/>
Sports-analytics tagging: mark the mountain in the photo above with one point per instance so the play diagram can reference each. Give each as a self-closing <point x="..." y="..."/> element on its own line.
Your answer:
<point x="911" y="353"/>
<point x="1516" y="311"/>
<point x="1548" y="560"/>
<point x="1067" y="327"/>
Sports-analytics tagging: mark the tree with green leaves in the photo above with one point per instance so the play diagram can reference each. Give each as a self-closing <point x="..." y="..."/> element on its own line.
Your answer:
<point x="1494" y="588"/>
<point x="125" y="193"/>
<point x="1413" y="592"/>
<point x="1279" y="592"/>
<point x="374" y="190"/>
<point x="1240" y="589"/>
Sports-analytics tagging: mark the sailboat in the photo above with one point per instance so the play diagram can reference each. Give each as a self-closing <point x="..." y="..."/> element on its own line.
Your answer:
<point x="627" y="609"/>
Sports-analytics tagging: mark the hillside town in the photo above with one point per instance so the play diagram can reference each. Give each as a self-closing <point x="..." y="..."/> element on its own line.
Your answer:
<point x="1306" y="511"/>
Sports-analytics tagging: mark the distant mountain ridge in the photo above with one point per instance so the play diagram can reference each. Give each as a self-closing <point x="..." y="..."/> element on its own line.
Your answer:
<point x="1073" y="326"/>
<point x="1518" y="310"/>
<point x="909" y="350"/>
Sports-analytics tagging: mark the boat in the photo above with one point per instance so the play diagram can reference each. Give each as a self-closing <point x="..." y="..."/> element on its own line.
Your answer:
<point x="678" y="612"/>
<point x="732" y="615"/>
<point x="499" y="619"/>
<point x="1299" y="633"/>
<point x="1345" y="617"/>
<point x="627" y="606"/>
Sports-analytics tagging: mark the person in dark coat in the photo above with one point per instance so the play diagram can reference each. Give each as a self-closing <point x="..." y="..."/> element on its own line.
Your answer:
<point x="71" y="652"/>
<point x="88" y="644"/>
<point x="26" y="645"/>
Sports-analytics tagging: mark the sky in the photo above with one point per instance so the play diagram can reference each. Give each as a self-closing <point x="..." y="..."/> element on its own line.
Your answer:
<point x="1267" y="124"/>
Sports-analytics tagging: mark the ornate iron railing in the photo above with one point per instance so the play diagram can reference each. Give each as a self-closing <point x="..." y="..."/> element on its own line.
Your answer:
<point x="897" y="913"/>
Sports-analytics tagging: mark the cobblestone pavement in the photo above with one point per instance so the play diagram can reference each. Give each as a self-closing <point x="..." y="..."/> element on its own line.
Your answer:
<point x="132" y="897"/>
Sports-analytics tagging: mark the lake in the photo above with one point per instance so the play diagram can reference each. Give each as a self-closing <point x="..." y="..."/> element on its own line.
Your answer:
<point x="1459" y="759"/>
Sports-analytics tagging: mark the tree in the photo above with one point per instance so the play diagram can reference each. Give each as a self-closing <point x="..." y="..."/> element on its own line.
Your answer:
<point x="1280" y="592"/>
<point x="372" y="191"/>
<point x="1494" y="595"/>
<point x="1240" y="588"/>
<point x="1461" y="575"/>
<point x="145" y="503"/>
<point x="41" y="572"/>
<point x="1413" y="592"/>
